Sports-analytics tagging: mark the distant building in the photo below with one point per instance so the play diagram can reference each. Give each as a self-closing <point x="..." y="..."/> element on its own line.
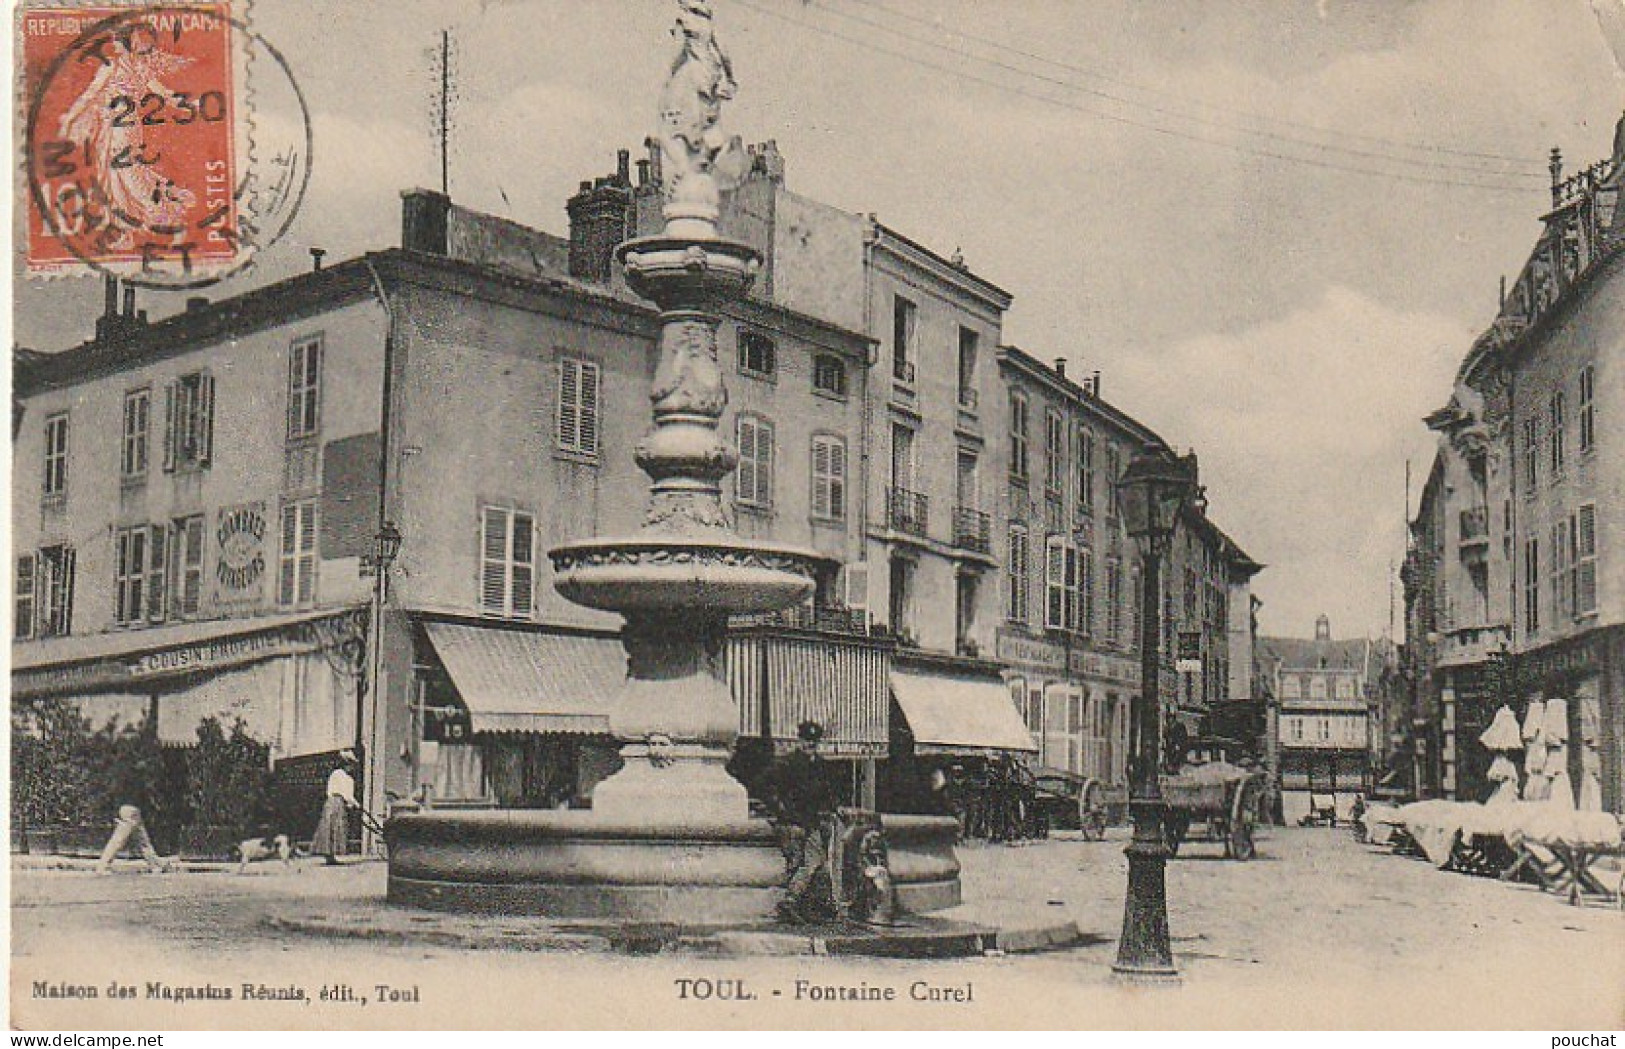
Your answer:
<point x="1323" y="714"/>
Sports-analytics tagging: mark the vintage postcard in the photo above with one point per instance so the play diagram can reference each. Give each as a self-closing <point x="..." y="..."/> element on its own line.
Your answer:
<point x="817" y="514"/>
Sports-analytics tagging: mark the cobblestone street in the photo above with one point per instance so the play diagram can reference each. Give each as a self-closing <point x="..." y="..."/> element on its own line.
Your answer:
<point x="1319" y="931"/>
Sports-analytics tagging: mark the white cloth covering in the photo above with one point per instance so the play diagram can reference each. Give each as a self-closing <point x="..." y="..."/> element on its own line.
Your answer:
<point x="1556" y="722"/>
<point x="1534" y="759"/>
<point x="1502" y="769"/>
<point x="1533" y="718"/>
<point x="341" y="784"/>
<point x="1503" y="733"/>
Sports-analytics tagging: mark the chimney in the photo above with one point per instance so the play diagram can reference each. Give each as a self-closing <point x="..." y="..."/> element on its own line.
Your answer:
<point x="643" y="173"/>
<point x="316" y="256"/>
<point x="424" y="218"/>
<point x="623" y="167"/>
<point x="1555" y="166"/>
<point x="1060" y="367"/>
<point x="771" y="161"/>
<point x="129" y="302"/>
<point x="110" y="291"/>
<point x="1094" y="384"/>
<point x="598" y="217"/>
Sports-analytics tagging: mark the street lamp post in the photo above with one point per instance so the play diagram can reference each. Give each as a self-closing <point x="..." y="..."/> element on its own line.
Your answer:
<point x="386" y="546"/>
<point x="1152" y="493"/>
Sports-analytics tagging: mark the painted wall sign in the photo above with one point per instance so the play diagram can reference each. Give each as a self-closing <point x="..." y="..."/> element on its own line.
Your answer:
<point x="239" y="563"/>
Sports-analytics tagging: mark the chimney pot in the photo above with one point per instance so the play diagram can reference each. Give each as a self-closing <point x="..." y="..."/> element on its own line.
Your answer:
<point x="1060" y="367"/>
<point x="110" y="290"/>
<point x="425" y="215"/>
<point x="643" y="173"/>
<point x="623" y="170"/>
<point x="316" y="256"/>
<point x="129" y="301"/>
<point x="1094" y="383"/>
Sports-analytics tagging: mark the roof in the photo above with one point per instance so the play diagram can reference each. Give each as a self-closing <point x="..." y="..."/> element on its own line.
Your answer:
<point x="959" y="271"/>
<point x="1295" y="654"/>
<point x="1037" y="370"/>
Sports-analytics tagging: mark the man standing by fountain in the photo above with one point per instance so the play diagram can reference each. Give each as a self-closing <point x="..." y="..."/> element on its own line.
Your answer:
<point x="805" y="805"/>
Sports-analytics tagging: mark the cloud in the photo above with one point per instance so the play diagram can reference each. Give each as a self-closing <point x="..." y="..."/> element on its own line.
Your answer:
<point x="1303" y="425"/>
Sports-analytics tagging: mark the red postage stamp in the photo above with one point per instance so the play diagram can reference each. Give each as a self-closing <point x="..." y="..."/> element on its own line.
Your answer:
<point x="131" y="138"/>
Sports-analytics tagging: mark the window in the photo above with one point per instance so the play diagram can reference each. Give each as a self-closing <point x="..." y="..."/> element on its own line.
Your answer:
<point x="1019" y="569"/>
<point x="1317" y="687"/>
<point x="296" y="580"/>
<point x="1018" y="437"/>
<point x="1531" y="454"/>
<point x="902" y="456"/>
<point x="1135" y="605"/>
<point x="1054" y="452"/>
<point x="1291" y="687"/>
<point x="1114" y="474"/>
<point x="754" y="481"/>
<point x="133" y="448"/>
<point x="1061" y="583"/>
<point x="1323" y="729"/>
<point x="1086" y="470"/>
<point x="304" y="387"/>
<point x="1531" y="586"/>
<point x="23" y="607"/>
<point x="578" y="406"/>
<point x="54" y="570"/>
<point x="186" y="562"/>
<point x="1345" y="687"/>
<point x="902" y="339"/>
<point x="1114" y="600"/>
<point x="899" y="604"/>
<point x="1588" y="419"/>
<point x="967" y="491"/>
<point x="507" y="561"/>
<point x="968" y="343"/>
<point x="829" y="375"/>
<point x="1557" y="437"/>
<point x="1585" y="557"/>
<point x="828" y="477"/>
<point x="56" y="455"/>
<point x="189" y="422"/>
<point x="130" y="575"/>
<point x="757" y="354"/>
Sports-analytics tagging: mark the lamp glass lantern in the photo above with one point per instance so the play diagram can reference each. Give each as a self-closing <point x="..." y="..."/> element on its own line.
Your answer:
<point x="1153" y="492"/>
<point x="386" y="546"/>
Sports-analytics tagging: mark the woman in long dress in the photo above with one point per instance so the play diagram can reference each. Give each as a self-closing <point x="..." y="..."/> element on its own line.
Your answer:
<point x="332" y="837"/>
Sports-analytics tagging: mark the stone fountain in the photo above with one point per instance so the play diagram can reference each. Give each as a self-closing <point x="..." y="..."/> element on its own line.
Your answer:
<point x="669" y="837"/>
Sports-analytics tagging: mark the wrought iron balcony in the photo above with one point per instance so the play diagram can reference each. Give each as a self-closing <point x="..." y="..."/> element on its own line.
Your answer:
<point x="972" y="530"/>
<point x="824" y="619"/>
<point x="907" y="511"/>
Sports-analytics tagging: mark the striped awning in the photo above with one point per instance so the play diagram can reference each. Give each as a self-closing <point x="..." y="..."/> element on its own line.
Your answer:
<point x="523" y="681"/>
<point x="780" y="682"/>
<point x="956" y="715"/>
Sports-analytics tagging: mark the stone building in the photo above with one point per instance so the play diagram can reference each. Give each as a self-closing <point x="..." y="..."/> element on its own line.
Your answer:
<point x="1324" y="691"/>
<point x="1509" y="581"/>
<point x="1070" y="636"/>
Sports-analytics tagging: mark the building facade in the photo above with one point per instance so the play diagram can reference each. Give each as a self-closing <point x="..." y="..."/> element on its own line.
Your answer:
<point x="1510" y="561"/>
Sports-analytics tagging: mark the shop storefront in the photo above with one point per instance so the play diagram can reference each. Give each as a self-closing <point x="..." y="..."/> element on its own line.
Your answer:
<point x="1587" y="675"/>
<point x="1074" y="702"/>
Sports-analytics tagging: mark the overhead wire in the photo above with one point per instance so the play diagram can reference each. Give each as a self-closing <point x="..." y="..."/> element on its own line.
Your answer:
<point x="1146" y="125"/>
<point x="1423" y="147"/>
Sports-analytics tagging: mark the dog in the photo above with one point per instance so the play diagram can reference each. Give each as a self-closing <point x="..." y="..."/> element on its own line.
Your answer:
<point x="255" y="849"/>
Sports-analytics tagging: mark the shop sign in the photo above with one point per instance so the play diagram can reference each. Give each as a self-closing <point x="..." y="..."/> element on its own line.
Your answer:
<point x="1557" y="661"/>
<point x="57" y="679"/>
<point x="239" y="565"/>
<point x="224" y="651"/>
<point x="1013" y="648"/>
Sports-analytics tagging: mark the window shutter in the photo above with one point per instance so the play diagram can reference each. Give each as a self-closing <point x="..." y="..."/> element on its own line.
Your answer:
<point x="296" y="385"/>
<point x="307" y="553"/>
<point x="837" y="478"/>
<point x="493" y="553"/>
<point x="169" y="428"/>
<point x="524" y="573"/>
<point x="157" y="567"/>
<point x="589" y="408"/>
<point x="1585" y="600"/>
<point x="22" y="625"/>
<point x="569" y="435"/>
<point x="745" y="479"/>
<point x="764" y="453"/>
<point x="69" y="561"/>
<point x="287" y="568"/>
<point x="204" y="419"/>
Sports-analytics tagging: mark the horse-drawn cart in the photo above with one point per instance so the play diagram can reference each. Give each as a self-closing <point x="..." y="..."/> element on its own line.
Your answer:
<point x="1217" y="799"/>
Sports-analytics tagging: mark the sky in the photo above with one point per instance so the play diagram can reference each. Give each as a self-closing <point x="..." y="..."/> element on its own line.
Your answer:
<point x="1274" y="227"/>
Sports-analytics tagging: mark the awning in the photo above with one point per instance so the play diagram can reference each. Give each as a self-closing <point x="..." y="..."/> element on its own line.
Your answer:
<point x="780" y="682"/>
<point x="954" y="715"/>
<point x="521" y="681"/>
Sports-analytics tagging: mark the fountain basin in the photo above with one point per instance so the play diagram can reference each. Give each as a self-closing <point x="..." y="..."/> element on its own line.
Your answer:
<point x="581" y="865"/>
<point x="663" y="575"/>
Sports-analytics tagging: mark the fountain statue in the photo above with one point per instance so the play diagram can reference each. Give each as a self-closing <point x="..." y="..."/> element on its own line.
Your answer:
<point x="669" y="836"/>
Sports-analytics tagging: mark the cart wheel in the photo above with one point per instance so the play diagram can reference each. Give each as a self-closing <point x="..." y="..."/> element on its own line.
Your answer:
<point x="1239" y="843"/>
